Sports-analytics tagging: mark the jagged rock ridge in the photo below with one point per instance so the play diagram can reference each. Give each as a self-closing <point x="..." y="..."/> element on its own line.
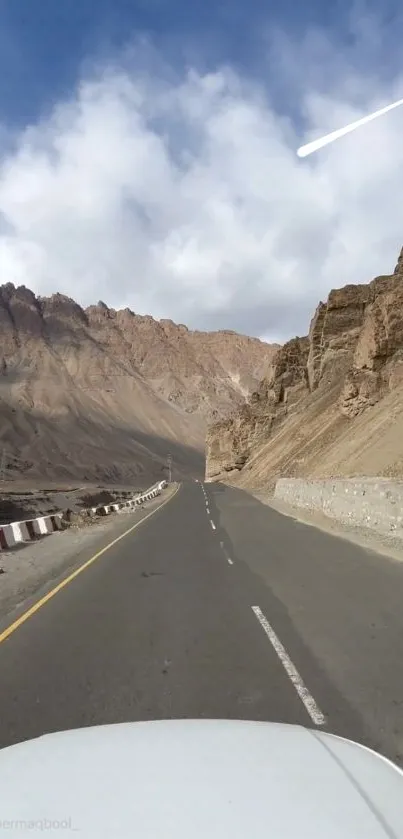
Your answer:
<point x="320" y="388"/>
<point x="104" y="394"/>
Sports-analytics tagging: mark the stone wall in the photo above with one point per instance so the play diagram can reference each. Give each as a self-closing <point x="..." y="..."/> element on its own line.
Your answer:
<point x="374" y="503"/>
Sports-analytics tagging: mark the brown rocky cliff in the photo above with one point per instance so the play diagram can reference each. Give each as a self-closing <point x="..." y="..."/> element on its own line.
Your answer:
<point x="377" y="361"/>
<point x="352" y="357"/>
<point x="80" y="387"/>
<point x="20" y="318"/>
<point x="334" y="331"/>
<point x="231" y="441"/>
<point x="197" y="371"/>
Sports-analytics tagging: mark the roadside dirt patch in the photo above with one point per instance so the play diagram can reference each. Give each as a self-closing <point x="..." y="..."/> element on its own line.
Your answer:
<point x="104" y="497"/>
<point x="15" y="510"/>
<point x="25" y="505"/>
<point x="72" y="518"/>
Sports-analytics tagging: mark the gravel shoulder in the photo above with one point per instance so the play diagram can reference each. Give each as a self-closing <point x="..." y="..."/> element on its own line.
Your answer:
<point x="27" y="572"/>
<point x="391" y="546"/>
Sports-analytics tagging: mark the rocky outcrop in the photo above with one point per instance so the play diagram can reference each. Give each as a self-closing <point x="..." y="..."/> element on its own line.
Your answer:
<point x="351" y="358"/>
<point x="333" y="333"/>
<point x="231" y="441"/>
<point x="378" y="355"/>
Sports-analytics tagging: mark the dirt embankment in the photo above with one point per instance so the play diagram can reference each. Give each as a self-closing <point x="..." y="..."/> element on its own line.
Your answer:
<point x="22" y="504"/>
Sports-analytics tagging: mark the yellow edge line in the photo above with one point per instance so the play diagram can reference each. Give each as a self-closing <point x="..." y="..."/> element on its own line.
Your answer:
<point x="24" y="617"/>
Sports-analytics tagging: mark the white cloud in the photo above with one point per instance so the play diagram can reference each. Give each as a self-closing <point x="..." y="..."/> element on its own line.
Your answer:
<point x="184" y="198"/>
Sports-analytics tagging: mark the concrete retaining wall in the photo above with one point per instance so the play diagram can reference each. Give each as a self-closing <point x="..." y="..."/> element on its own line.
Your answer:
<point x="376" y="503"/>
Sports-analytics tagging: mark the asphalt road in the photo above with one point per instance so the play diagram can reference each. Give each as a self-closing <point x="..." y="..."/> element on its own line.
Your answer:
<point x="215" y="606"/>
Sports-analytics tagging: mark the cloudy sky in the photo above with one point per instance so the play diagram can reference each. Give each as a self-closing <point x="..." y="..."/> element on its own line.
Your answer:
<point x="148" y="154"/>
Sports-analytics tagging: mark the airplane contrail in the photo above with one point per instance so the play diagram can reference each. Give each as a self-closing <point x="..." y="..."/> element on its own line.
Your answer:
<point x="303" y="151"/>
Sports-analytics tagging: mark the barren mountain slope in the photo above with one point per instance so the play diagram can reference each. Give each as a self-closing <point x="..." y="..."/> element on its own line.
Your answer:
<point x="207" y="372"/>
<point x="105" y="395"/>
<point x="334" y="403"/>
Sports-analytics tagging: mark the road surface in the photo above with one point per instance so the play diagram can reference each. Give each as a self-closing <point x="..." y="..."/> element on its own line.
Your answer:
<point x="215" y="606"/>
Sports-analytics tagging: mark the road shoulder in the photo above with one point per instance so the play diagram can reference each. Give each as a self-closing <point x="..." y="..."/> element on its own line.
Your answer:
<point x="36" y="567"/>
<point x="390" y="546"/>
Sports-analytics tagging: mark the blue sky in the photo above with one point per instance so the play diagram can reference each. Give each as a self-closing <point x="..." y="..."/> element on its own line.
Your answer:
<point x="147" y="154"/>
<point x="44" y="43"/>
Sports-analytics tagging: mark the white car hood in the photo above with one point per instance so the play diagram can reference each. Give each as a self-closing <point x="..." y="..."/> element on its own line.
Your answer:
<point x="198" y="779"/>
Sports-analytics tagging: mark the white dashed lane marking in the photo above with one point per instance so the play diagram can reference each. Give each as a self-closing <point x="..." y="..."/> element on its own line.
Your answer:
<point x="229" y="560"/>
<point x="313" y="710"/>
<point x="212" y="524"/>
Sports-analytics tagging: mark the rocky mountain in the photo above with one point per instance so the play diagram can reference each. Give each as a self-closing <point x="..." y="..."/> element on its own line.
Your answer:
<point x="333" y="403"/>
<point x="99" y="394"/>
